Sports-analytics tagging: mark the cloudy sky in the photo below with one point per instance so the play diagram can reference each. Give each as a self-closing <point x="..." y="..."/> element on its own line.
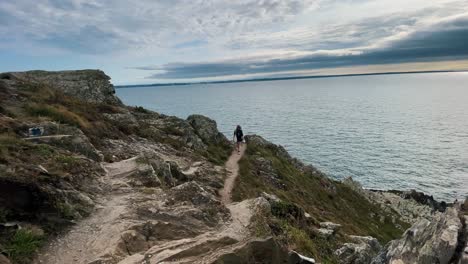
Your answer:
<point x="150" y="41"/>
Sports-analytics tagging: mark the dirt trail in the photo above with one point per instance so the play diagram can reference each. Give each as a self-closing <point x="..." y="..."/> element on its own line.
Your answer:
<point x="232" y="167"/>
<point x="92" y="236"/>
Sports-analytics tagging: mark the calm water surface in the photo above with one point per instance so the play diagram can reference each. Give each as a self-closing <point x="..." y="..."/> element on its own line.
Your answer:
<point x="388" y="131"/>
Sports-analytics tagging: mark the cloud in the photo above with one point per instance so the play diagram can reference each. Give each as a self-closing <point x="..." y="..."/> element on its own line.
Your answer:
<point x="172" y="39"/>
<point x="76" y="25"/>
<point x="446" y="39"/>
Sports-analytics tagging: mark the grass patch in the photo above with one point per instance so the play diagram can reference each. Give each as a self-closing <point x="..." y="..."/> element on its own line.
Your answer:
<point x="324" y="199"/>
<point x="22" y="245"/>
<point x="57" y="113"/>
<point x="67" y="162"/>
<point x="302" y="242"/>
<point x="218" y="154"/>
<point x="66" y="210"/>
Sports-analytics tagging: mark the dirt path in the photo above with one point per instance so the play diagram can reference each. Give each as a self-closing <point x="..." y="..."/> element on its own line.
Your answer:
<point x="93" y="235"/>
<point x="232" y="167"/>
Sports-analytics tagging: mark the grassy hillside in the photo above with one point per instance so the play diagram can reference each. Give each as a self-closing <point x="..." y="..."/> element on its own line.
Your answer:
<point x="268" y="168"/>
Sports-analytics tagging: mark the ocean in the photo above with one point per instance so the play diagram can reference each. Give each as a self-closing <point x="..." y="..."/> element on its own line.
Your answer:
<point x="405" y="131"/>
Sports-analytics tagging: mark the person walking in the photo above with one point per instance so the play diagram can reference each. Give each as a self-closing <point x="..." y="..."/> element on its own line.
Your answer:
<point x="238" y="138"/>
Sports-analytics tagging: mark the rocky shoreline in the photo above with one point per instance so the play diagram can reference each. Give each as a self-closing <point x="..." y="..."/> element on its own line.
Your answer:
<point x="108" y="183"/>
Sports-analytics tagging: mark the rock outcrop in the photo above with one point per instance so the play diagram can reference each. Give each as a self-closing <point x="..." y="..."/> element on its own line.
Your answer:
<point x="426" y="241"/>
<point x="362" y="250"/>
<point x="207" y="130"/>
<point x="134" y="186"/>
<point x="88" y="85"/>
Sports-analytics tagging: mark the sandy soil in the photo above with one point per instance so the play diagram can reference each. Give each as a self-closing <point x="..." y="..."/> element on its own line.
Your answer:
<point x="232" y="167"/>
<point x="91" y="237"/>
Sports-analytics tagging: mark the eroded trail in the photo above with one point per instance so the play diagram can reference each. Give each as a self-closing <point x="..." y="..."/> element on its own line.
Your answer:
<point x="93" y="235"/>
<point x="232" y="167"/>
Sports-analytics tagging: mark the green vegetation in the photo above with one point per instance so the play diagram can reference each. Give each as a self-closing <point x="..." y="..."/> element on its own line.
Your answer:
<point x="22" y="245"/>
<point x="66" y="210"/>
<point x="57" y="113"/>
<point x="218" y="154"/>
<point x="322" y="198"/>
<point x="308" y="244"/>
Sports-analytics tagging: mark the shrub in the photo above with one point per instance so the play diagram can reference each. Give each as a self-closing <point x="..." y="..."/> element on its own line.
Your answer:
<point x="23" y="245"/>
<point x="57" y="113"/>
<point x="141" y="109"/>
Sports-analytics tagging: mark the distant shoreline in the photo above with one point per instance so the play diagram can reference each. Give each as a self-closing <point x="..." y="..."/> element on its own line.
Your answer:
<point x="278" y="78"/>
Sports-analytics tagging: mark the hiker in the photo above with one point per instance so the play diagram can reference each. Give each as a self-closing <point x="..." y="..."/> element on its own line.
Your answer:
<point x="239" y="136"/>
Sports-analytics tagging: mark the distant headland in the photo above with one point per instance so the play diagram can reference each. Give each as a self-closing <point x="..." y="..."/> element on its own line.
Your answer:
<point x="280" y="78"/>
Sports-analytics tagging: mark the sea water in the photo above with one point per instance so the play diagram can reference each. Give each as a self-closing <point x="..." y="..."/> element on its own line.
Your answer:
<point x="407" y="131"/>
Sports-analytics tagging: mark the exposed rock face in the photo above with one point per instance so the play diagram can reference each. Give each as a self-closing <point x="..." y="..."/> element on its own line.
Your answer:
<point x="409" y="209"/>
<point x="426" y="241"/>
<point x="4" y="260"/>
<point x="206" y="129"/>
<point x="362" y="251"/>
<point x="87" y="85"/>
<point x="296" y="258"/>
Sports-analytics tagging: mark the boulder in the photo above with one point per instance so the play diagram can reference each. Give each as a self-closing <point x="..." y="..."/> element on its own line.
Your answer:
<point x="87" y="85"/>
<point x="296" y="258"/>
<point x="207" y="130"/>
<point x="4" y="260"/>
<point x="361" y="251"/>
<point x="329" y="225"/>
<point x="426" y="241"/>
<point x="145" y="176"/>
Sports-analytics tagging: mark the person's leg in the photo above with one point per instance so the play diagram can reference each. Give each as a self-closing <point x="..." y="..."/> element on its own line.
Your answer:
<point x="238" y="146"/>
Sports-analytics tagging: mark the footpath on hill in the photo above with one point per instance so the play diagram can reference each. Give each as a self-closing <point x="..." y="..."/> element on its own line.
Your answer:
<point x="232" y="167"/>
<point x="90" y="237"/>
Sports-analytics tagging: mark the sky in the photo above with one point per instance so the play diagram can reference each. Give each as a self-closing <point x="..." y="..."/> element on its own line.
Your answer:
<point x="160" y="41"/>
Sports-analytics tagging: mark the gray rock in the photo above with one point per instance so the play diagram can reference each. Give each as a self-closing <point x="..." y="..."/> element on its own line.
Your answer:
<point x="145" y="176"/>
<point x="426" y="241"/>
<point x="4" y="260"/>
<point x="330" y="225"/>
<point x="88" y="85"/>
<point x="296" y="258"/>
<point x="362" y="251"/>
<point x="207" y="130"/>
<point x="325" y="233"/>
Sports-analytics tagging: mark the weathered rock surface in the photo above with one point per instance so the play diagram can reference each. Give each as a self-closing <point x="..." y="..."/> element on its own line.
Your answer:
<point x="206" y="129"/>
<point x="361" y="251"/>
<point x="87" y="85"/>
<point x="409" y="209"/>
<point x="426" y="241"/>
<point x="4" y="260"/>
<point x="296" y="258"/>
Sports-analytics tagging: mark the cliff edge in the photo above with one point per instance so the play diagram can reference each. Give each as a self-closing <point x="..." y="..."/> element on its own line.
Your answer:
<point x="86" y="179"/>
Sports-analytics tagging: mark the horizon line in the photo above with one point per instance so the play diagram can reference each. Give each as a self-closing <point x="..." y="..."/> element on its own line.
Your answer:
<point x="283" y="78"/>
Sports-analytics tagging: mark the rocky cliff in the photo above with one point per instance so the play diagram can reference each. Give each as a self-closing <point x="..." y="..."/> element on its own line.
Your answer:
<point x="86" y="179"/>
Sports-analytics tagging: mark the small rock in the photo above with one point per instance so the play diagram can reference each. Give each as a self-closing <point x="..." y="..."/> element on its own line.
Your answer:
<point x="4" y="260"/>
<point x="325" y="233"/>
<point x="330" y="225"/>
<point x="296" y="258"/>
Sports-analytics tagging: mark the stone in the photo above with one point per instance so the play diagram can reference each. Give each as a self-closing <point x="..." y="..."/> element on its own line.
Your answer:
<point x="361" y="251"/>
<point x="330" y="225"/>
<point x="207" y="130"/>
<point x="4" y="260"/>
<point x="325" y="233"/>
<point x="296" y="258"/>
<point x="132" y="242"/>
<point x="145" y="176"/>
<point x="426" y="241"/>
<point x="87" y="85"/>
<point x="270" y="197"/>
